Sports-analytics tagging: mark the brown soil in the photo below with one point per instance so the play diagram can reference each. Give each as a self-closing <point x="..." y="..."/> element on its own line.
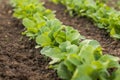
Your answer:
<point x="19" y="60"/>
<point x="114" y="3"/>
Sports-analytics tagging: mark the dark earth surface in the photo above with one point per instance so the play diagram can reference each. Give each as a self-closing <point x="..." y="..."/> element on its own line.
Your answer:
<point x="19" y="60"/>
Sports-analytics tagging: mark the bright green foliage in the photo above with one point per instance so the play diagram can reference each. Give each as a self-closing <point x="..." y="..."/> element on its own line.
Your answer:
<point x="102" y="15"/>
<point x="87" y="63"/>
<point x="73" y="56"/>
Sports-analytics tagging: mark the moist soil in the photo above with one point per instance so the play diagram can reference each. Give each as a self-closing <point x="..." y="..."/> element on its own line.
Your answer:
<point x="19" y="60"/>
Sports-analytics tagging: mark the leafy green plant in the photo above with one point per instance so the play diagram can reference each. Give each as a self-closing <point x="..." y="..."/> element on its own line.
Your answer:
<point x="102" y="15"/>
<point x="73" y="56"/>
<point x="83" y="62"/>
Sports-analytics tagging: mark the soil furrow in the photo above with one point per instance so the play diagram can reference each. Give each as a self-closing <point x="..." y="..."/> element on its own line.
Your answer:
<point x="19" y="60"/>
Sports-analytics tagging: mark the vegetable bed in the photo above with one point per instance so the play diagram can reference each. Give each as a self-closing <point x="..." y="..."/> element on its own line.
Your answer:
<point x="19" y="59"/>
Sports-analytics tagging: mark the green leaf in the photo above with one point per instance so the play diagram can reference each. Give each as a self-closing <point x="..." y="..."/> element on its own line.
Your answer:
<point x="98" y="65"/>
<point x="83" y="72"/>
<point x="91" y="48"/>
<point x="114" y="34"/>
<point x="28" y="23"/>
<point x="87" y="54"/>
<point x="60" y="36"/>
<point x="68" y="47"/>
<point x="72" y="49"/>
<point x="45" y="29"/>
<point x="63" y="72"/>
<point x="53" y="53"/>
<point x="69" y="65"/>
<point x="74" y="59"/>
<point x="54" y="28"/>
<point x="64" y="45"/>
<point x="30" y="35"/>
<point x="111" y="60"/>
<point x="72" y="34"/>
<point x="117" y="74"/>
<point x="43" y="40"/>
<point x="55" y="1"/>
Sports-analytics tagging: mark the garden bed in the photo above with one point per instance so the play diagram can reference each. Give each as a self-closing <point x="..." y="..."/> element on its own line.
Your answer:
<point x="19" y="60"/>
<point x="86" y="28"/>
